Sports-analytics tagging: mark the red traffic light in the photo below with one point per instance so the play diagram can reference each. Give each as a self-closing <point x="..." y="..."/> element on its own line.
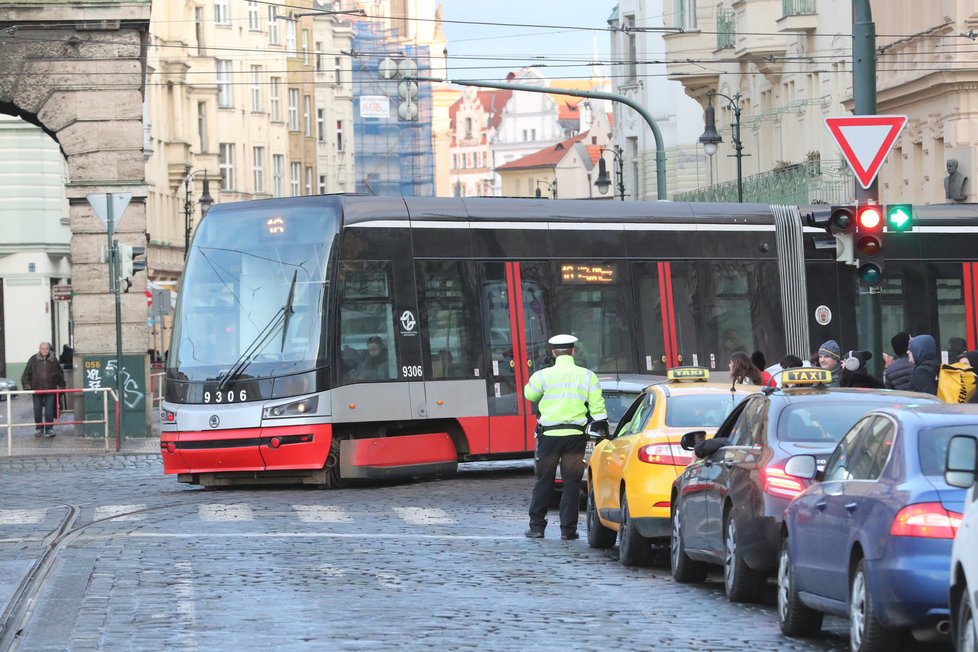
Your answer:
<point x="869" y="218"/>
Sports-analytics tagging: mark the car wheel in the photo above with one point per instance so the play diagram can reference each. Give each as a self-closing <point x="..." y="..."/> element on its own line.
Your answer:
<point x="741" y="583"/>
<point x="967" y="634"/>
<point x="684" y="569"/>
<point x="796" y="618"/>
<point x="633" y="549"/>
<point x="598" y="536"/>
<point x="866" y="634"/>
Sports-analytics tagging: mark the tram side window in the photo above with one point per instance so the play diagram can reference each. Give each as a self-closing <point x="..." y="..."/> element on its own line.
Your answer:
<point x="735" y="304"/>
<point x="949" y="293"/>
<point x="597" y="316"/>
<point x="367" y="344"/>
<point x="450" y="314"/>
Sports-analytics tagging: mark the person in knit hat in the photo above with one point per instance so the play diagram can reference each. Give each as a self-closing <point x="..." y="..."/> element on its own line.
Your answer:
<point x="829" y="355"/>
<point x="899" y="368"/>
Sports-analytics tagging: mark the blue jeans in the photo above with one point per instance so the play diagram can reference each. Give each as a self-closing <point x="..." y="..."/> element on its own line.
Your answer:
<point x="568" y="452"/>
<point x="44" y="411"/>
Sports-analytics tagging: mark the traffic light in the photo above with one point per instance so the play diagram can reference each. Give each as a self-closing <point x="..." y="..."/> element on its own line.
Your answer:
<point x="869" y="244"/>
<point x="842" y="224"/>
<point x="899" y="217"/>
<point x="128" y="263"/>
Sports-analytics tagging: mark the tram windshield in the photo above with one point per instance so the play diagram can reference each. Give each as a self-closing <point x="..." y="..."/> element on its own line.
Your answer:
<point x="252" y="300"/>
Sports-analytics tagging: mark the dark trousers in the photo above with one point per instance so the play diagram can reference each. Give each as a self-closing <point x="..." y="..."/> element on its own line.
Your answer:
<point x="568" y="452"/>
<point x="44" y="411"/>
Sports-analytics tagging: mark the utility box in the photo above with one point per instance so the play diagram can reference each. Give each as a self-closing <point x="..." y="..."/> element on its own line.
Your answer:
<point x="98" y="371"/>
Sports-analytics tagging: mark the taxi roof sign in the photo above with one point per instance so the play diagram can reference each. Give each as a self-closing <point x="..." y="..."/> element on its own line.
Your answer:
<point x="806" y="376"/>
<point x="696" y="374"/>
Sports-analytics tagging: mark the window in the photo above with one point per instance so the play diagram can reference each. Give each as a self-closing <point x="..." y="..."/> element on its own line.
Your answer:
<point x="274" y="37"/>
<point x="685" y="14"/>
<point x="224" y="97"/>
<point x="202" y="126"/>
<point x="275" y="101"/>
<point x="468" y="129"/>
<point x="630" y="51"/>
<point x="258" y="165"/>
<point x="319" y="56"/>
<point x="450" y="316"/>
<point x="256" y="104"/>
<point x="305" y="47"/>
<point x="308" y="180"/>
<point x="337" y="67"/>
<point x="366" y="322"/>
<point x="876" y="442"/>
<point x="339" y="135"/>
<point x="321" y="125"/>
<point x="278" y="174"/>
<point x="227" y="166"/>
<point x="307" y="115"/>
<point x="199" y="28"/>
<point x="703" y="411"/>
<point x="598" y="316"/>
<point x="290" y="38"/>
<point x="322" y="184"/>
<point x="221" y="14"/>
<point x="932" y="446"/>
<point x="293" y="109"/>
<point x="639" y="418"/>
<point x="254" y="18"/>
<point x="836" y="468"/>
<point x="296" y="180"/>
<point x="748" y="429"/>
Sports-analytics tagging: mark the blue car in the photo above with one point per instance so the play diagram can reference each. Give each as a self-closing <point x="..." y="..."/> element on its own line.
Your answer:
<point x="872" y="541"/>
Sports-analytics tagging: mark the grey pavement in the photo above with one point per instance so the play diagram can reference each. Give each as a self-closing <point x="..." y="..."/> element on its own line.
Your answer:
<point x="18" y="440"/>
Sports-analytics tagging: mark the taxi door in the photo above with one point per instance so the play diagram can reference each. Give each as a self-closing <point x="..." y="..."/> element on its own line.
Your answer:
<point x="610" y="458"/>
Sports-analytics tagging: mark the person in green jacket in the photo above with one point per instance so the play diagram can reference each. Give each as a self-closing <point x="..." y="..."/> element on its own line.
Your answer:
<point x="565" y="395"/>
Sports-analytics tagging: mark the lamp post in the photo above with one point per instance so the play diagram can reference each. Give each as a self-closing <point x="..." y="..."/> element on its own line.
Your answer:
<point x="711" y="138"/>
<point x="603" y="182"/>
<point x="205" y="201"/>
<point x="551" y="188"/>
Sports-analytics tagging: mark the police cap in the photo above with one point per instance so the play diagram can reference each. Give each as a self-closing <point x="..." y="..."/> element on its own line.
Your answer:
<point x="562" y="340"/>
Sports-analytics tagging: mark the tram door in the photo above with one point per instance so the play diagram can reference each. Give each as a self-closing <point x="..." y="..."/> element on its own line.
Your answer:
<point x="663" y="331"/>
<point x="516" y="325"/>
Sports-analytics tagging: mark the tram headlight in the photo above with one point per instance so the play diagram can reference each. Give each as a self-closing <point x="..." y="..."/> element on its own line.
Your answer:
<point x="293" y="409"/>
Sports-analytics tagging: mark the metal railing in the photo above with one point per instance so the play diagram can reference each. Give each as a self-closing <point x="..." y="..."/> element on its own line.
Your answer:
<point x="809" y="182"/>
<point x="797" y="7"/>
<point x="106" y="392"/>
<point x="726" y="28"/>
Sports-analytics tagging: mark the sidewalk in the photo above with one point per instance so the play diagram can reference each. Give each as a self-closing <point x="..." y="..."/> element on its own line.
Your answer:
<point x="23" y="443"/>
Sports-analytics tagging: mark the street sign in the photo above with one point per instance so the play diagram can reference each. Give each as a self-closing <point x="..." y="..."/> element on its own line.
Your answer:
<point x="865" y="140"/>
<point x="61" y="292"/>
<point x="100" y="203"/>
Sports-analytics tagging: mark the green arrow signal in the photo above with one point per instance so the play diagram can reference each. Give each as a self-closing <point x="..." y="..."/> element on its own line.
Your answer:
<point x="899" y="217"/>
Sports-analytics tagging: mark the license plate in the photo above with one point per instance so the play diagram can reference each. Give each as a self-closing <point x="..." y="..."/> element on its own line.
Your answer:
<point x="588" y="449"/>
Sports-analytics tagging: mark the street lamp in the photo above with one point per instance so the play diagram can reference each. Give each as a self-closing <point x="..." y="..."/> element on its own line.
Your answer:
<point x="205" y="201"/>
<point x="603" y="182"/>
<point x="551" y="188"/>
<point x="711" y="138"/>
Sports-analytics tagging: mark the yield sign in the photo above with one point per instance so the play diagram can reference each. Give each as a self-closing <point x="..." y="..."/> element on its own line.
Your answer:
<point x="865" y="140"/>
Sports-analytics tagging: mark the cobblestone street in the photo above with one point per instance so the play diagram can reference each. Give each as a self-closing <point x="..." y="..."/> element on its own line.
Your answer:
<point x="153" y="565"/>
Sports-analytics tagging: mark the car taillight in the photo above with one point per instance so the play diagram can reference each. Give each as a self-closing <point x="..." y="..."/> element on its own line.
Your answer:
<point x="927" y="520"/>
<point x="671" y="454"/>
<point x="780" y="484"/>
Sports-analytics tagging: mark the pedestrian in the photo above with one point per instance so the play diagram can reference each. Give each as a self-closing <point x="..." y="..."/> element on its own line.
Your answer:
<point x="43" y="372"/>
<point x="829" y="356"/>
<point x="971" y="358"/>
<point x="898" y="368"/>
<point x="565" y="395"/>
<point x="854" y="372"/>
<point x="757" y="357"/>
<point x="923" y="355"/>
<point x="743" y="371"/>
<point x="67" y="357"/>
<point x="956" y="346"/>
<point x="789" y="361"/>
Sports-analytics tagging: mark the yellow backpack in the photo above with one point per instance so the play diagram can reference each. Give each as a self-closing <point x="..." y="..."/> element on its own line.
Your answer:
<point x="956" y="383"/>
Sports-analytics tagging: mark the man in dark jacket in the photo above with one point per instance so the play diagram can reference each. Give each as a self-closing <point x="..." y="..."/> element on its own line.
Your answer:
<point x="923" y="355"/>
<point x="43" y="371"/>
<point x="897" y="373"/>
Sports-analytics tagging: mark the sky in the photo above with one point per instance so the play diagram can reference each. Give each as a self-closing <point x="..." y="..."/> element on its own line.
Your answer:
<point x="505" y="48"/>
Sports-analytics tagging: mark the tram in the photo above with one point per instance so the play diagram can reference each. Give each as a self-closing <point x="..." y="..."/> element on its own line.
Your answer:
<point x="329" y="338"/>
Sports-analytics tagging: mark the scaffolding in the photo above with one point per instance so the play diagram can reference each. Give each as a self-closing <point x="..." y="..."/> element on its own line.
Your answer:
<point x="393" y="157"/>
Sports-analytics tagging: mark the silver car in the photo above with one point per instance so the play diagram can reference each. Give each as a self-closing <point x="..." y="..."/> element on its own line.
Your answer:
<point x="7" y="385"/>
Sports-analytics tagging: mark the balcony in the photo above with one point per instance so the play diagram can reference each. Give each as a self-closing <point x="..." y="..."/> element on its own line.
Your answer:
<point x="688" y="71"/>
<point x="754" y="39"/>
<point x="798" y="16"/>
<point x="726" y="28"/>
<point x="808" y="182"/>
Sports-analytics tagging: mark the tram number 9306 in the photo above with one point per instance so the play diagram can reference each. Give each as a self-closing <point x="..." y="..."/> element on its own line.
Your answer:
<point x="412" y="371"/>
<point x="229" y="396"/>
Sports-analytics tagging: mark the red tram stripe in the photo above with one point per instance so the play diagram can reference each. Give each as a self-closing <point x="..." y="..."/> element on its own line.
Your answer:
<point x="969" y="305"/>
<point x="515" y="326"/>
<point x="665" y="313"/>
<point x="672" y="317"/>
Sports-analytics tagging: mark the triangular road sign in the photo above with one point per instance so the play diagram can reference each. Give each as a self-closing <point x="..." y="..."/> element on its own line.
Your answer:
<point x="100" y="204"/>
<point x="865" y="140"/>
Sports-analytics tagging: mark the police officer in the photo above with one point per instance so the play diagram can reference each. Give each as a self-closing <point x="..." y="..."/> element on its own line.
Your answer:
<point x="565" y="394"/>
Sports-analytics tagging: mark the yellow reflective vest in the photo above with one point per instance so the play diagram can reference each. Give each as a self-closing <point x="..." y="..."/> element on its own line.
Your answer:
<point x="565" y="393"/>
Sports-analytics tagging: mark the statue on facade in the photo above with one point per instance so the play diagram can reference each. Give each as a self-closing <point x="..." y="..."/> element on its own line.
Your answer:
<point x="954" y="182"/>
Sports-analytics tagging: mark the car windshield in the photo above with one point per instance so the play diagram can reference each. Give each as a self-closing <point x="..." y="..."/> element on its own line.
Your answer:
<point x="932" y="446"/>
<point x="825" y="421"/>
<point x="252" y="297"/>
<point x="701" y="410"/>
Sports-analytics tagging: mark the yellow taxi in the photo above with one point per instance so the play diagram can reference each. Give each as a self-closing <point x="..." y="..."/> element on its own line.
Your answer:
<point x="630" y="475"/>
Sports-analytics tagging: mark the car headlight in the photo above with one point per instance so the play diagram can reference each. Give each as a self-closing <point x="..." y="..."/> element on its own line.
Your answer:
<point x="293" y="409"/>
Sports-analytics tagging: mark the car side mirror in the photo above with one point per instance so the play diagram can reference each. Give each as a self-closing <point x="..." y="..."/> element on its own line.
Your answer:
<point x="690" y="440"/>
<point x="802" y="466"/>
<point x="962" y="460"/>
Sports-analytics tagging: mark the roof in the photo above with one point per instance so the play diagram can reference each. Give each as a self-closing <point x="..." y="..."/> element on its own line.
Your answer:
<point x="631" y="383"/>
<point x="547" y="157"/>
<point x="492" y="102"/>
